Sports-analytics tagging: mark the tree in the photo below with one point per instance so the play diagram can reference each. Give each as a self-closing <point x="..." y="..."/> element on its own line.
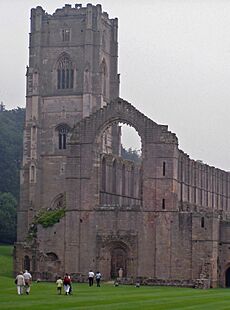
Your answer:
<point x="11" y="136"/>
<point x="7" y="218"/>
<point x="2" y="107"/>
<point x="130" y="154"/>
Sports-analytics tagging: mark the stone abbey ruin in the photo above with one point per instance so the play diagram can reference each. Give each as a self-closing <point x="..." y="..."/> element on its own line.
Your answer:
<point x="163" y="220"/>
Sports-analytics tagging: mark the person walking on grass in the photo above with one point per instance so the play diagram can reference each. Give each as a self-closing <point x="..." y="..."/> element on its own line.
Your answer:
<point x="67" y="283"/>
<point x="59" y="283"/>
<point x="98" y="278"/>
<point x="20" y="282"/>
<point x="28" y="280"/>
<point x="91" y="277"/>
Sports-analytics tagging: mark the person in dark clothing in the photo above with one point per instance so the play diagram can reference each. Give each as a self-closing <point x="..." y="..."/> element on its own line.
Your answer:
<point x="91" y="277"/>
<point x="98" y="278"/>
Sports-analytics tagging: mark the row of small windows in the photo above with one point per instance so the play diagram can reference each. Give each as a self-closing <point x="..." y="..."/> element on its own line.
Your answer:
<point x="206" y="177"/>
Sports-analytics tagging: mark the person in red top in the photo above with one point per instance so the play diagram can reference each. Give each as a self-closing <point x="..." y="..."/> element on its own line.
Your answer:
<point x="67" y="284"/>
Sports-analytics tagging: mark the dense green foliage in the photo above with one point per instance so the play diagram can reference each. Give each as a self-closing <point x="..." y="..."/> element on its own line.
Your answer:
<point x="48" y="218"/>
<point x="44" y="296"/>
<point x="11" y="137"/>
<point x="130" y="154"/>
<point x="7" y="218"/>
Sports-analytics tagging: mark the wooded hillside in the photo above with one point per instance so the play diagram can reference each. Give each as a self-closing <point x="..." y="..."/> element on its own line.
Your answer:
<point x="11" y="136"/>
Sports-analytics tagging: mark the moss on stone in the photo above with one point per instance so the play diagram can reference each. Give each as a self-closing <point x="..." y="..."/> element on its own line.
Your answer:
<point x="48" y="218"/>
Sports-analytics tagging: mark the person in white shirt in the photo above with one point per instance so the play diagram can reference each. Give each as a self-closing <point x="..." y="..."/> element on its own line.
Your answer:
<point x="59" y="283"/>
<point x="98" y="278"/>
<point x="91" y="277"/>
<point x="28" y="279"/>
<point x="20" y="282"/>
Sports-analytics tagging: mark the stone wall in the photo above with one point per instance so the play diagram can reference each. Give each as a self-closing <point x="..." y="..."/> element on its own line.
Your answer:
<point x="165" y="220"/>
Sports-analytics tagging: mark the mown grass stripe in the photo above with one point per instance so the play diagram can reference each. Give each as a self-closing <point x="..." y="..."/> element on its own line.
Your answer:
<point x="43" y="295"/>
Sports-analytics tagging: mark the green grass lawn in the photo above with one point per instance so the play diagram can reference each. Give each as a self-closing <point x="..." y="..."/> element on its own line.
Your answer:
<point x="43" y="295"/>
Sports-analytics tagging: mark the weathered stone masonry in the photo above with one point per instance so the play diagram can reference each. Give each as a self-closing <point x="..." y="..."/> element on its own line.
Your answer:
<point x="164" y="220"/>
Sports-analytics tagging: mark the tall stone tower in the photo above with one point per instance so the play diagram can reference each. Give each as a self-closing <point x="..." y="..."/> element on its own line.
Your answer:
<point x="72" y="72"/>
<point x="162" y="220"/>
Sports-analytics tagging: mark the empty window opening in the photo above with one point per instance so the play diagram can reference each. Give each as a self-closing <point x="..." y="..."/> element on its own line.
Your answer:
<point x="120" y="176"/>
<point x="202" y="222"/>
<point x="163" y="204"/>
<point x="130" y="143"/>
<point x="164" y="167"/>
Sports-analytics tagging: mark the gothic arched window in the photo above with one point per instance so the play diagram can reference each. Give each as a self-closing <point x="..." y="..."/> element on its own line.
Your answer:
<point x="65" y="73"/>
<point x="63" y="131"/>
<point x="58" y="202"/>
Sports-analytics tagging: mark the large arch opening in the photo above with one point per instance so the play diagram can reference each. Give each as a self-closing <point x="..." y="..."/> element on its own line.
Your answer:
<point x="120" y="166"/>
<point x="131" y="148"/>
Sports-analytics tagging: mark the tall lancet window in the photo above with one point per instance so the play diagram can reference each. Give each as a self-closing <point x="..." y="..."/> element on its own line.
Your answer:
<point x="65" y="73"/>
<point x="63" y="131"/>
<point x="123" y="180"/>
<point x="104" y="78"/>
<point x="103" y="175"/>
<point x="114" y="177"/>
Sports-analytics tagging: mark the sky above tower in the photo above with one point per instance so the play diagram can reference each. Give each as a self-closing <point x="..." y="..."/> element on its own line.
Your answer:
<point x="174" y="61"/>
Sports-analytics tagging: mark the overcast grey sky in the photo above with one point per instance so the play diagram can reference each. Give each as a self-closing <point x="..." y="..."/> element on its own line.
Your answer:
<point x="174" y="61"/>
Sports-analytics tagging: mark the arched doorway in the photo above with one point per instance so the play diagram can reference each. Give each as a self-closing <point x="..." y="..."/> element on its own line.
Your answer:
<point x="27" y="263"/>
<point x="118" y="260"/>
<point x="227" y="277"/>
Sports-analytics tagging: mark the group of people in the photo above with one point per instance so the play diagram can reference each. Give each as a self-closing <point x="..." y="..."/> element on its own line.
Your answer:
<point x="23" y="281"/>
<point x="66" y="283"/>
<point x="97" y="277"/>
